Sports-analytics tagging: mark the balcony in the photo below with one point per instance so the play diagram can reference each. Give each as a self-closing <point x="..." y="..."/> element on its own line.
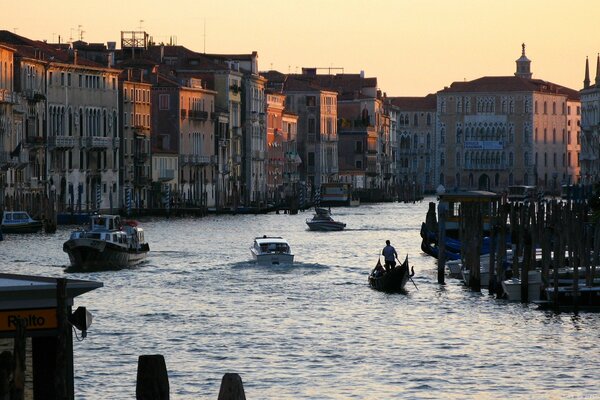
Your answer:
<point x="61" y="142"/>
<point x="33" y="95"/>
<point x="97" y="142"/>
<point x="34" y="141"/>
<point x="198" y="115"/>
<point x="166" y="175"/>
<point x="8" y="97"/>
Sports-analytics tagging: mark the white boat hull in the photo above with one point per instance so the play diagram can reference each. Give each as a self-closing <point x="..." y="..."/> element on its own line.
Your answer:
<point x="273" y="259"/>
<point x="512" y="287"/>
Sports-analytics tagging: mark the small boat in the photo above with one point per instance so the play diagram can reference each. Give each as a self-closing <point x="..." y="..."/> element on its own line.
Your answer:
<point x="19" y="222"/>
<point x="393" y="280"/>
<point x="512" y="287"/>
<point x="271" y="250"/>
<point x="107" y="243"/>
<point x="322" y="221"/>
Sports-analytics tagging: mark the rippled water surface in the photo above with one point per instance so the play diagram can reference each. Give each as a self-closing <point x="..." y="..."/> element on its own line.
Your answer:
<point x="315" y="330"/>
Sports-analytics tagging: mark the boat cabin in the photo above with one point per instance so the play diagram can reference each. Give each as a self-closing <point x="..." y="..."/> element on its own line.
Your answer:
<point x="520" y="193"/>
<point x="105" y="222"/>
<point x="15" y="217"/>
<point x="452" y="201"/>
<point x="273" y="244"/>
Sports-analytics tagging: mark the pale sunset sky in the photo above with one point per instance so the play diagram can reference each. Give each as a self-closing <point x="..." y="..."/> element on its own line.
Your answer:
<point x="413" y="47"/>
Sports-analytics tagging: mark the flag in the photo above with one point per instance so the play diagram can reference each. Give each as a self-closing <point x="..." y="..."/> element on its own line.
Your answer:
<point x="16" y="151"/>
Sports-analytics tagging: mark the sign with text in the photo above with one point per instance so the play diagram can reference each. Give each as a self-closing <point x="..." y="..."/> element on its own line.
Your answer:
<point x="43" y="318"/>
<point x="484" y="145"/>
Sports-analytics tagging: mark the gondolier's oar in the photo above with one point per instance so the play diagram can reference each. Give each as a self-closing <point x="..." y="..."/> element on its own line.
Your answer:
<point x="409" y="276"/>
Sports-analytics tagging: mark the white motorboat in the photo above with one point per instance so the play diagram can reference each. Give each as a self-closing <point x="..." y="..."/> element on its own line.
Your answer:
<point x="19" y="222"/>
<point x="271" y="250"/>
<point x="322" y="221"/>
<point x="107" y="243"/>
<point x="512" y="287"/>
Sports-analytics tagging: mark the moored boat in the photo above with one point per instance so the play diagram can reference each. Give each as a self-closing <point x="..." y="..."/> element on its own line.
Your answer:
<point x="322" y="221"/>
<point x="393" y="280"/>
<point x="271" y="250"/>
<point x="19" y="222"/>
<point x="107" y="243"/>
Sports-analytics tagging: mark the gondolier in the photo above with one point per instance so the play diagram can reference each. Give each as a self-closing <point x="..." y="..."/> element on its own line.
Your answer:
<point x="389" y="255"/>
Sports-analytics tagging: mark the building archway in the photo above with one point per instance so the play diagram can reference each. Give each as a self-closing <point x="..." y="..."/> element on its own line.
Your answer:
<point x="483" y="182"/>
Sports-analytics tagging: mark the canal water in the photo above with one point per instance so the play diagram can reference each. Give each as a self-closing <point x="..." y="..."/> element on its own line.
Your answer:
<point x="315" y="330"/>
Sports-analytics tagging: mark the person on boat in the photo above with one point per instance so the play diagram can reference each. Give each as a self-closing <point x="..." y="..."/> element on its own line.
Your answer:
<point x="389" y="255"/>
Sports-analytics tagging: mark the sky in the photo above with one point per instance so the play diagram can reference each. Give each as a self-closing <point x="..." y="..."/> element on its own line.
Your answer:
<point x="412" y="47"/>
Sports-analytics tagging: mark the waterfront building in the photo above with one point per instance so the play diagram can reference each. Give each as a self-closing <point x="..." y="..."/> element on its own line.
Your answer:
<point x="282" y="153"/>
<point x="69" y="125"/>
<point x="9" y="142"/>
<point x="493" y="132"/>
<point x="590" y="126"/>
<point x="253" y="125"/>
<point x="412" y="137"/>
<point x="183" y="141"/>
<point x="135" y="110"/>
<point x="316" y="130"/>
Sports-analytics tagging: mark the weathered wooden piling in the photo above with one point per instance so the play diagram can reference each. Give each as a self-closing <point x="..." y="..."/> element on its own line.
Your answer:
<point x="152" y="378"/>
<point x="442" y="215"/>
<point x="472" y="235"/>
<point x="232" y="388"/>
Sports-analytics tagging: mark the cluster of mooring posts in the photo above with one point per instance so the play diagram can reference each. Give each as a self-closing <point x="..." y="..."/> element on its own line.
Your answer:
<point x="153" y="381"/>
<point x="559" y="239"/>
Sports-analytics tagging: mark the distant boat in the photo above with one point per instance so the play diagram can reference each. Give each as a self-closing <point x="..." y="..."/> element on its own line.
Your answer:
<point x="271" y="250"/>
<point x="322" y="221"/>
<point x="107" y="243"/>
<point x="19" y="222"/>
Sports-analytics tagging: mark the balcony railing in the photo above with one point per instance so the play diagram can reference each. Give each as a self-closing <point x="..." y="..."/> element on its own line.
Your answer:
<point x="61" y="142"/>
<point x="198" y="115"/>
<point x="97" y="142"/>
<point x="8" y="97"/>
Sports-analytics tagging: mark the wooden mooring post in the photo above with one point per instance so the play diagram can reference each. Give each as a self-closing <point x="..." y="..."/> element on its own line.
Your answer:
<point x="232" y="388"/>
<point x="442" y="215"/>
<point x="152" y="378"/>
<point x="471" y="233"/>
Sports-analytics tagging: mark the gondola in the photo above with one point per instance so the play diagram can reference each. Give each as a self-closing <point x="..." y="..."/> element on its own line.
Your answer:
<point x="390" y="281"/>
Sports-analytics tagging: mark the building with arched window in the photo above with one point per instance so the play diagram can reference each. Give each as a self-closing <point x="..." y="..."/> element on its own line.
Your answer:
<point x="495" y="136"/>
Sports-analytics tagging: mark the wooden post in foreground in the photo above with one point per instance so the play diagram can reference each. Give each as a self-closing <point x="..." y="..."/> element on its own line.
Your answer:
<point x="232" y="388"/>
<point x="152" y="378"/>
<point x="442" y="215"/>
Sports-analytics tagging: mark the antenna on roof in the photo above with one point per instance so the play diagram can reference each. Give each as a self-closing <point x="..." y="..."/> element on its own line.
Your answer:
<point x="81" y="31"/>
<point x="141" y="22"/>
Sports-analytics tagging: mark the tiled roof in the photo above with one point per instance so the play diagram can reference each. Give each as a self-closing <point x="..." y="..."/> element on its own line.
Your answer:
<point x="509" y="84"/>
<point x="186" y="58"/>
<point x="44" y="51"/>
<point x="428" y="102"/>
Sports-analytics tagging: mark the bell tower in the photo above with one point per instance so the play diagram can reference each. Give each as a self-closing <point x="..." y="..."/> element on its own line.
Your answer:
<point x="523" y="65"/>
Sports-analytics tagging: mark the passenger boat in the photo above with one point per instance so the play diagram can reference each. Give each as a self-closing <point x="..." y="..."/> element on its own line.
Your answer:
<point x="107" y="243"/>
<point x="322" y="221"/>
<point x="271" y="250"/>
<point x="393" y="280"/>
<point x="19" y="222"/>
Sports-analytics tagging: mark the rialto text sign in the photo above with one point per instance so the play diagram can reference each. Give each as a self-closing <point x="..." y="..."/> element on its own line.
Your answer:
<point x="43" y="318"/>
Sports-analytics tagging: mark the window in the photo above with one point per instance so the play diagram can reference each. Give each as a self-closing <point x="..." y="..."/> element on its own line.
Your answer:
<point x="358" y="164"/>
<point x="312" y="125"/>
<point x="358" y="146"/>
<point x="311" y="101"/>
<point x="163" y="101"/>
